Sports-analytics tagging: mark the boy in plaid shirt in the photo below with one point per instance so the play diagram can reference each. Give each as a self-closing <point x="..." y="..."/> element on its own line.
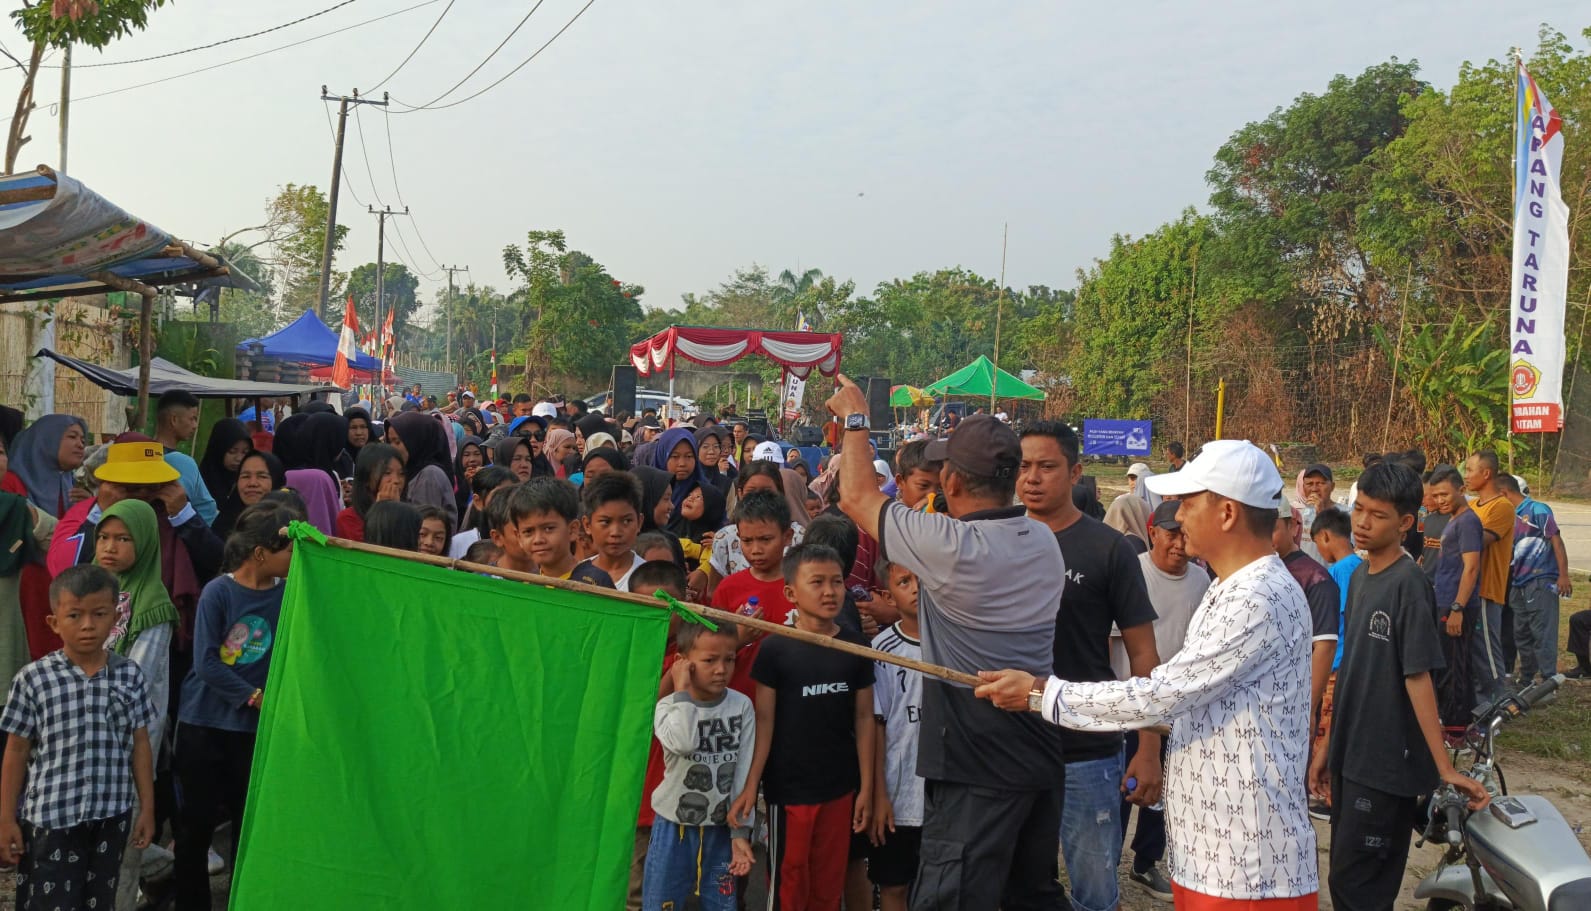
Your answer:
<point x="77" y="721"/>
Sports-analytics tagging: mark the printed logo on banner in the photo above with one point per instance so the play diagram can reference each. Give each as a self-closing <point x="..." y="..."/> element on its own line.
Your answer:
<point x="1525" y="378"/>
<point x="1102" y="437"/>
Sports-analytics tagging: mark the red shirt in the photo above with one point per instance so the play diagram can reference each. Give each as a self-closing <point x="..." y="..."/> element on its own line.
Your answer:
<point x="733" y="593"/>
<point x="350" y="524"/>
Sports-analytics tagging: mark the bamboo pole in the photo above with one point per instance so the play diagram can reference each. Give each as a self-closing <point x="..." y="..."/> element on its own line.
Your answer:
<point x="711" y="613"/>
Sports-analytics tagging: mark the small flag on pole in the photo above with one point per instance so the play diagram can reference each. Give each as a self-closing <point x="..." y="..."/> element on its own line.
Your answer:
<point x="494" y="373"/>
<point x="347" y="348"/>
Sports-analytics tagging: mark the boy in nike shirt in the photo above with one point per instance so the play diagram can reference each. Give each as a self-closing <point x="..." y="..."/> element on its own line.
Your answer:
<point x="814" y="753"/>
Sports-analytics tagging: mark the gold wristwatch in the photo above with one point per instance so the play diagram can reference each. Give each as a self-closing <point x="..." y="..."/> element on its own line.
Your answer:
<point x="1036" y="699"/>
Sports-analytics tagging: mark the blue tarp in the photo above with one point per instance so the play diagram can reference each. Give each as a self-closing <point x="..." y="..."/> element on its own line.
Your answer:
<point x="1103" y="437"/>
<point x="306" y="340"/>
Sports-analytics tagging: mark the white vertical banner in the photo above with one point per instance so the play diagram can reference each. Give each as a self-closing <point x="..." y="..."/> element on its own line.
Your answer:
<point x="1540" y="282"/>
<point x="790" y="398"/>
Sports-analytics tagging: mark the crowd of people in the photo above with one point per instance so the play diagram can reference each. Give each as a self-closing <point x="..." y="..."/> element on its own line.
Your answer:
<point x="1309" y="655"/>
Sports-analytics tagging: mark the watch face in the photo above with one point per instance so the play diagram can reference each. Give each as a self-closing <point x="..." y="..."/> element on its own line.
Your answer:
<point x="856" y="422"/>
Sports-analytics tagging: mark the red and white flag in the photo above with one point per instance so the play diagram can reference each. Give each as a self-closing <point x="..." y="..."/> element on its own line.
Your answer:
<point x="347" y="348"/>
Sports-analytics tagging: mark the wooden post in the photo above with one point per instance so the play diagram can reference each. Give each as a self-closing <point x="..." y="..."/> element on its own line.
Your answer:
<point x="146" y="349"/>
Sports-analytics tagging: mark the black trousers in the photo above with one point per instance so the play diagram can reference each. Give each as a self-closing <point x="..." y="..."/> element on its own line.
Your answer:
<point x="72" y="868"/>
<point x="213" y="780"/>
<point x="1580" y="635"/>
<point x="1370" y="835"/>
<point x="1149" y="838"/>
<point x="988" y="848"/>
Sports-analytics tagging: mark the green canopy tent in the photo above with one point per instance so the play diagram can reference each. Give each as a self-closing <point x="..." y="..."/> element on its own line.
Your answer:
<point x="983" y="379"/>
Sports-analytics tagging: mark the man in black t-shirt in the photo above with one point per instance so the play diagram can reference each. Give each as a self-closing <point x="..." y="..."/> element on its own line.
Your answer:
<point x="1385" y="747"/>
<point x="1104" y="588"/>
<point x="1324" y="599"/>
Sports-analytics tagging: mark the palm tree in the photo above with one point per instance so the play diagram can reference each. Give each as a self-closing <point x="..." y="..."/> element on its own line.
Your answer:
<point x="790" y="287"/>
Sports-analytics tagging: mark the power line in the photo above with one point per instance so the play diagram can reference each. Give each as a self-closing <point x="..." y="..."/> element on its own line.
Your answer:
<point x="392" y="160"/>
<point x="508" y="75"/>
<point x="205" y="47"/>
<point x="364" y="150"/>
<point x="346" y="182"/>
<point x="488" y="56"/>
<point x="417" y="46"/>
<point x="216" y="66"/>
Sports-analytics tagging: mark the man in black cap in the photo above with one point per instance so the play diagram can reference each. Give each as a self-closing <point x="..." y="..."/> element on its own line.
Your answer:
<point x="989" y="590"/>
<point x="1318" y="488"/>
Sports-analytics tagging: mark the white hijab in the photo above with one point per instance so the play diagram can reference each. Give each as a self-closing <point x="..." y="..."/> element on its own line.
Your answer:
<point x="1142" y="472"/>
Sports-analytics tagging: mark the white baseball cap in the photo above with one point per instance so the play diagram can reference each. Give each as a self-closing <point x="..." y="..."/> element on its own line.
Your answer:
<point x="768" y="452"/>
<point x="545" y="410"/>
<point x="881" y="467"/>
<point x="1232" y="468"/>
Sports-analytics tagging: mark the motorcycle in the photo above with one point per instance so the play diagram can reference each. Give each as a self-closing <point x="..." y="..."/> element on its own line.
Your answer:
<point x="1517" y="854"/>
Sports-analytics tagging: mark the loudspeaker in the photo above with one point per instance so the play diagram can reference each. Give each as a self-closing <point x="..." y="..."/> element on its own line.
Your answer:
<point x="880" y="414"/>
<point x="623" y="398"/>
<point x="808" y="435"/>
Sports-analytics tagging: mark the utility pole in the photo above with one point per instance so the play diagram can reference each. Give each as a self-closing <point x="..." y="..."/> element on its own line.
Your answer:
<point x="66" y="101"/>
<point x="999" y="300"/>
<point x="381" y="269"/>
<point x="336" y="183"/>
<point x="450" y="270"/>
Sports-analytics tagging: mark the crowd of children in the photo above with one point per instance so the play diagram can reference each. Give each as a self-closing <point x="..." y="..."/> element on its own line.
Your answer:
<point x="150" y="634"/>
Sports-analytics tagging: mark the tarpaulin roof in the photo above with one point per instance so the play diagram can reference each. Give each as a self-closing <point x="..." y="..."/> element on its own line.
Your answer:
<point x="982" y="378"/>
<point x="164" y="376"/>
<point x="306" y="340"/>
<point x="796" y="352"/>
<point x="59" y="238"/>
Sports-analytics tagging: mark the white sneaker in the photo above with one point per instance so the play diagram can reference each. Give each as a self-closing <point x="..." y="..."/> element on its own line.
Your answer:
<point x="216" y="863"/>
<point x="157" y="864"/>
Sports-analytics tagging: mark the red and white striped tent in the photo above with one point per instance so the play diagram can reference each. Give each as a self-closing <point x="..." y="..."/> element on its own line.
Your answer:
<point x="797" y="352"/>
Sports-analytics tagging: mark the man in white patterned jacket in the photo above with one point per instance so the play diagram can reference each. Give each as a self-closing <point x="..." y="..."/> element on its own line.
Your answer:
<point x="1236" y="696"/>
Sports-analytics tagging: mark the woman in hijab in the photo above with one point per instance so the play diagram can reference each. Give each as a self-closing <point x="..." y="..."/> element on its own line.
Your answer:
<point x="514" y="454"/>
<point x="1137" y="473"/>
<point x="656" y="501"/>
<point x="258" y="474"/>
<point x="44" y="456"/>
<point x="322" y="496"/>
<point x="676" y="454"/>
<point x="713" y="453"/>
<point x="223" y="455"/>
<point x="701" y="513"/>
<point x="559" y="449"/>
<point x="475" y="423"/>
<point x="290" y="442"/>
<point x="471" y="458"/>
<point x="327" y="435"/>
<point x="605" y="459"/>
<point x="1129" y="514"/>
<point x="589" y="426"/>
<point x="25" y="532"/>
<point x="360" y="431"/>
<point x="420" y="441"/>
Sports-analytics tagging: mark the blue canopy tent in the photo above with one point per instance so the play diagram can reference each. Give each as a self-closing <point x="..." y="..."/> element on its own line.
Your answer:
<point x="58" y="238"/>
<point x="305" y="340"/>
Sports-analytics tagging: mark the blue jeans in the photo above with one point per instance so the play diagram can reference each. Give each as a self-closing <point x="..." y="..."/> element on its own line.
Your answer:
<point x="677" y="856"/>
<point x="1535" y="605"/>
<point x="1091" y="831"/>
<point x="1486" y="654"/>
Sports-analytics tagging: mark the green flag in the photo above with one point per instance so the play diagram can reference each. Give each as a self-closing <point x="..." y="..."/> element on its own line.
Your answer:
<point x="436" y="739"/>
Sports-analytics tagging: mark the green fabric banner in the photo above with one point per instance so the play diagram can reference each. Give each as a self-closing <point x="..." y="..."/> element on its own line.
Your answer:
<point x="436" y="739"/>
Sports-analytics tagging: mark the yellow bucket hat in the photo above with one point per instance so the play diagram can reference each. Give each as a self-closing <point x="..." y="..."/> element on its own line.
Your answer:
<point x="136" y="463"/>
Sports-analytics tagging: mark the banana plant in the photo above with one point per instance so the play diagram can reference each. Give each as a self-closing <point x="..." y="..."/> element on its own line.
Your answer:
<point x="1457" y="380"/>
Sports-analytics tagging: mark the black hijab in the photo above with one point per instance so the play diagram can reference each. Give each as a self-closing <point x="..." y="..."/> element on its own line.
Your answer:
<point x="461" y="496"/>
<point x="422" y="436"/>
<point x="225" y="434"/>
<point x="327" y="435"/>
<point x="605" y="454"/>
<point x="655" y="482"/>
<point x="712" y="514"/>
<point x="290" y="443"/>
<point x="227" y="516"/>
<point x="357" y="413"/>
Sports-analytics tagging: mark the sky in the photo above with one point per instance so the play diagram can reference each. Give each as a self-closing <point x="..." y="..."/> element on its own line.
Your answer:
<point x="677" y="142"/>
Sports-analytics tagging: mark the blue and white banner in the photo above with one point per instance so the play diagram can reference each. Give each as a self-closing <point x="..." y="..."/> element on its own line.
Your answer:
<point x="1102" y="437"/>
<point x="1541" y="265"/>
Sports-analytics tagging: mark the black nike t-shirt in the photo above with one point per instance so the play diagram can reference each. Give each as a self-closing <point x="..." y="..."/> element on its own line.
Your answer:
<point x="812" y="758"/>
<point x="1104" y="587"/>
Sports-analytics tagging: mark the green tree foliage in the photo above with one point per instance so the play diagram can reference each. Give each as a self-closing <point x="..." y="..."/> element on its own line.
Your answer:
<point x="249" y="311"/>
<point x="398" y="287"/>
<point x="296" y="226"/>
<point x="577" y="317"/>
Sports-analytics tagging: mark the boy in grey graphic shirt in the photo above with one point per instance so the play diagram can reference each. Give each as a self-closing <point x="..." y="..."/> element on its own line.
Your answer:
<point x="707" y="732"/>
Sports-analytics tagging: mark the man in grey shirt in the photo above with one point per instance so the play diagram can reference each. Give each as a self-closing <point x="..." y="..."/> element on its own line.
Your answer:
<point x="989" y="589"/>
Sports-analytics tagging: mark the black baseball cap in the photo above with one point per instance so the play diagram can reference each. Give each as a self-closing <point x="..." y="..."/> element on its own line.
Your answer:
<point x="1165" y="516"/>
<point x="1321" y="469"/>
<point x="982" y="445"/>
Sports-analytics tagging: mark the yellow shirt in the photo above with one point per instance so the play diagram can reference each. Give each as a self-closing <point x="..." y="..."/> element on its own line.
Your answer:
<point x="1497" y="517"/>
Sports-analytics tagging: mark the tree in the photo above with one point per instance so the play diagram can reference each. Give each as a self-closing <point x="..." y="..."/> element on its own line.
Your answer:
<point x="398" y="286"/>
<point x="577" y="316"/>
<point x="62" y="24"/>
<point x="249" y="311"/>
<point x="296" y="227"/>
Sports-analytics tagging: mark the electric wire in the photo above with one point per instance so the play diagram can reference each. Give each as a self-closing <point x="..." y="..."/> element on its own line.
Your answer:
<point x="216" y="66"/>
<point x="489" y="57"/>
<point x="392" y="162"/>
<point x="364" y="150"/>
<point x="417" y="47"/>
<point x="432" y="106"/>
<point x="205" y="47"/>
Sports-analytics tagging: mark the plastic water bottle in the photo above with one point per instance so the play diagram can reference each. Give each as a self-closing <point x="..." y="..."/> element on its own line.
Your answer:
<point x="1157" y="806"/>
<point x="751" y="606"/>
